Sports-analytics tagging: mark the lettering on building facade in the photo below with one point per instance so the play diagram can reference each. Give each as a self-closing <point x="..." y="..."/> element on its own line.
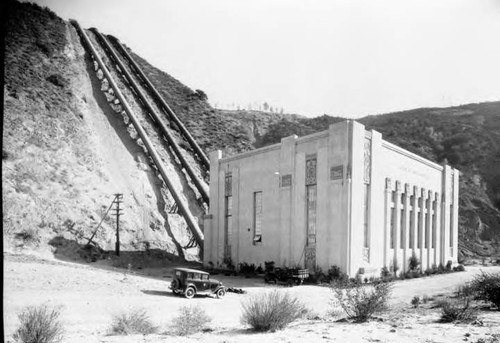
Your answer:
<point x="286" y="180"/>
<point x="337" y="173"/>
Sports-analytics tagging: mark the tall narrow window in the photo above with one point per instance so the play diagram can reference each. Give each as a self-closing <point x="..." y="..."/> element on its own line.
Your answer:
<point x="257" y="218"/>
<point x="419" y="223"/>
<point x="433" y="238"/>
<point x="366" y="209"/>
<point x="393" y="213"/>
<point x="228" y="224"/>
<point x="426" y="233"/>
<point x="451" y="226"/>
<point x="401" y="229"/>
<point x="412" y="229"/>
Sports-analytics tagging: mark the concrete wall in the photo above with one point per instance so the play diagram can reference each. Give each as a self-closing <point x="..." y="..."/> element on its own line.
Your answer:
<point x="348" y="159"/>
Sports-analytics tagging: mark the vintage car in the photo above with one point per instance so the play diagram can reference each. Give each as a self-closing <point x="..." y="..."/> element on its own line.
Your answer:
<point x="290" y="276"/>
<point x="191" y="281"/>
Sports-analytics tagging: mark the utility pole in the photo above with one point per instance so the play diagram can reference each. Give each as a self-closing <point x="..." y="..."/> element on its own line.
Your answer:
<point x="118" y="212"/>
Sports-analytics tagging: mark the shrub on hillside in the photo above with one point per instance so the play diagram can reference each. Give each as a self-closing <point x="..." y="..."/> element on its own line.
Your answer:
<point x="30" y="236"/>
<point x="486" y="286"/>
<point x="135" y="321"/>
<point x="271" y="311"/>
<point x="191" y="319"/>
<point x="361" y="302"/>
<point x="39" y="324"/>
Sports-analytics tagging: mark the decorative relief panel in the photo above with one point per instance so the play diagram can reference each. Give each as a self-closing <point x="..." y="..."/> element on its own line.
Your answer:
<point x="228" y="185"/>
<point x="286" y="180"/>
<point x="366" y="255"/>
<point x="367" y="160"/>
<point x="310" y="257"/>
<point x="311" y="165"/>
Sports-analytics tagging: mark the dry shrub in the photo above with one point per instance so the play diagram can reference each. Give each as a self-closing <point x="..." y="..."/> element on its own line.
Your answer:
<point x="271" y="311"/>
<point x="486" y="287"/>
<point x="29" y="236"/>
<point x="362" y="302"/>
<point x="191" y="319"/>
<point x="135" y="321"/>
<point x="415" y="301"/>
<point x="459" y="310"/>
<point x="39" y="324"/>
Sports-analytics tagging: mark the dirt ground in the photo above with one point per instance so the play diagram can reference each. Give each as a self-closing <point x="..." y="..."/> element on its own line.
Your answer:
<point x="89" y="296"/>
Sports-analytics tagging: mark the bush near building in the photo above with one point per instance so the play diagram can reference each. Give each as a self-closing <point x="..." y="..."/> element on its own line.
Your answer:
<point x="362" y="302"/>
<point x="271" y="311"/>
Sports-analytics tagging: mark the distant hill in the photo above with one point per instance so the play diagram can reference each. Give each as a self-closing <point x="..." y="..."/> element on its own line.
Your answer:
<point x="467" y="137"/>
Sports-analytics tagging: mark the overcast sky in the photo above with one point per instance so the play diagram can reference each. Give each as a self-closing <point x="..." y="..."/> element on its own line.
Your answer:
<point x="340" y="57"/>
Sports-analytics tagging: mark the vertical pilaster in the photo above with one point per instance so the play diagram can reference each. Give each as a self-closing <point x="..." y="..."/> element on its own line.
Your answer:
<point x="406" y="229"/>
<point x="376" y="203"/>
<point x="387" y="229"/>
<point x="286" y="180"/>
<point x="297" y="238"/>
<point x="415" y="220"/>
<point x="356" y="194"/>
<point x="445" y="213"/>
<point x="397" y="227"/>
<point x="455" y="214"/>
<point x="430" y="212"/>
<point x="235" y="234"/>
<point x="429" y="229"/>
<point x="437" y="221"/>
<point x="421" y="238"/>
<point x="211" y="245"/>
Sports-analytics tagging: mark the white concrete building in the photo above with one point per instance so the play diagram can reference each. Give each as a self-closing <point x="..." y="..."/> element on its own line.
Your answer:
<point x="340" y="197"/>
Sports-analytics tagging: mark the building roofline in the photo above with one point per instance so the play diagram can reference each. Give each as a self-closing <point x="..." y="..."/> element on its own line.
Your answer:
<point x="411" y="155"/>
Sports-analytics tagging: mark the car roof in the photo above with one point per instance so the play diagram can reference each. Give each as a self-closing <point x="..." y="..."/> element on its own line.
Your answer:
<point x="187" y="270"/>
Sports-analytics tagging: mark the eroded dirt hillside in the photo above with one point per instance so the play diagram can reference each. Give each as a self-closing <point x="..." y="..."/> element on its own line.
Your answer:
<point x="66" y="152"/>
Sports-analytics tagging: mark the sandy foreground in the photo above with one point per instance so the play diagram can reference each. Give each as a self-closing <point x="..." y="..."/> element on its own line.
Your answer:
<point x="89" y="297"/>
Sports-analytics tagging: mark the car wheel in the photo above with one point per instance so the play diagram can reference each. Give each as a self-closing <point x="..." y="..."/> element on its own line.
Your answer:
<point x="189" y="293"/>
<point x="273" y="281"/>
<point x="220" y="293"/>
<point x="290" y="282"/>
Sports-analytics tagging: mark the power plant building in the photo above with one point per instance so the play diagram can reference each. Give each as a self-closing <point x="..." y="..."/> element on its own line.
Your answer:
<point x="342" y="197"/>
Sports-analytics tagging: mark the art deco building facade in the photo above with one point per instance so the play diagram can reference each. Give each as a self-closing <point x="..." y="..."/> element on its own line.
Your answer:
<point x="340" y="197"/>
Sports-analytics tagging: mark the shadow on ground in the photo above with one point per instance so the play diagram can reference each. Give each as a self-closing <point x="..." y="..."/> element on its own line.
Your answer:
<point x="69" y="250"/>
<point x="159" y="293"/>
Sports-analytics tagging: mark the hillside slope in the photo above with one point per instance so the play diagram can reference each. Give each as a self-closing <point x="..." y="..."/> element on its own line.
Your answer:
<point x="66" y="152"/>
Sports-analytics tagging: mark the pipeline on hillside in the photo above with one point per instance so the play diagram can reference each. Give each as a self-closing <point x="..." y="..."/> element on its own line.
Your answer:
<point x="157" y="96"/>
<point x="155" y="116"/>
<point x="190" y="220"/>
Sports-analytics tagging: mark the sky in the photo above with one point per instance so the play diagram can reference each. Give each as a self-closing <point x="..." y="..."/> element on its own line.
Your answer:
<point x="347" y="58"/>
